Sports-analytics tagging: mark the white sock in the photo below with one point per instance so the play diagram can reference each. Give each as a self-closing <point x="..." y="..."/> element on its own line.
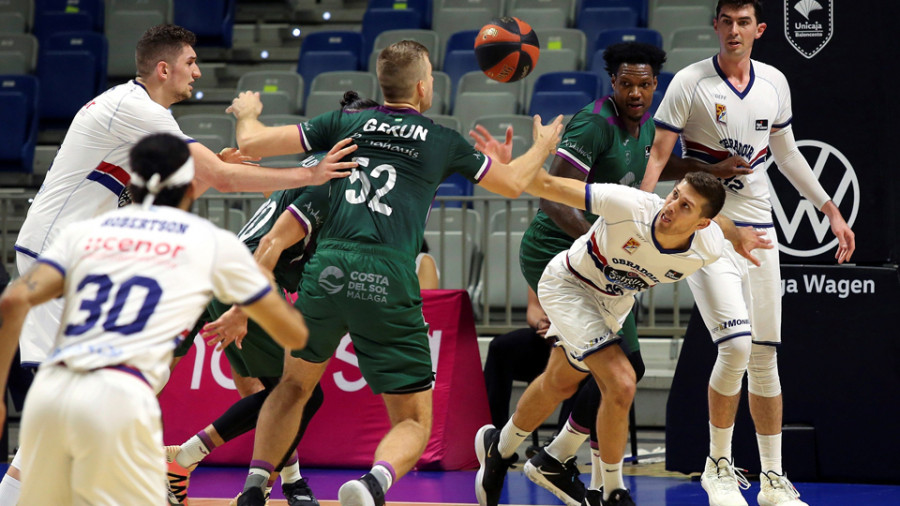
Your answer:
<point x="566" y="443"/>
<point x="290" y="473"/>
<point x="720" y="442"/>
<point x="770" y="452"/>
<point x="510" y="439"/>
<point x="384" y="476"/>
<point x="192" y="451"/>
<point x="596" y="466"/>
<point x="10" y="489"/>
<point x="612" y="477"/>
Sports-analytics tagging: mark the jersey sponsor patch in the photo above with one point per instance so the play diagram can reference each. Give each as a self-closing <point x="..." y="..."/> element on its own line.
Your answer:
<point x="673" y="274"/>
<point x="631" y="246"/>
<point x="647" y="151"/>
<point x="762" y="125"/>
<point x="721" y="114"/>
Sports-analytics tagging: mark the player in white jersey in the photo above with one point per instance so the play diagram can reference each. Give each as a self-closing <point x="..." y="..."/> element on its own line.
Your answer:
<point x="722" y="106"/>
<point x="135" y="281"/>
<point x="638" y="241"/>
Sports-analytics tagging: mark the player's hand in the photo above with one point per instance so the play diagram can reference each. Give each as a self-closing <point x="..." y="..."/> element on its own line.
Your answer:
<point x="331" y="166"/>
<point x="846" y="240"/>
<point x="547" y="135"/>
<point x="543" y="325"/>
<point x="749" y="239"/>
<point x="734" y="165"/>
<point x="246" y="105"/>
<point x="231" y="327"/>
<point x="487" y="144"/>
<point x="234" y="155"/>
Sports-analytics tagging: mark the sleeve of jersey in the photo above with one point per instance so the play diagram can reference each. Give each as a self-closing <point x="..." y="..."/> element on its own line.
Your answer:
<point x="468" y="161"/>
<point x="672" y="113"/>
<point x="311" y="208"/>
<point x="581" y="142"/>
<point x="134" y="121"/>
<point x="236" y="277"/>
<point x="315" y="134"/>
<point x="785" y="115"/>
<point x="57" y="254"/>
<point x="610" y="200"/>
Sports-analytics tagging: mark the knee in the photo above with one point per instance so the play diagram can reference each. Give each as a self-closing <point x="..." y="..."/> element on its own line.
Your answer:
<point x="620" y="390"/>
<point x="292" y="390"/>
<point x="731" y="363"/>
<point x="762" y="372"/>
<point x="556" y="387"/>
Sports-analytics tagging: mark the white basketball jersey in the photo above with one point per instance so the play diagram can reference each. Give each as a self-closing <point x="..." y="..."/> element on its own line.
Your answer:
<point x="136" y="282"/>
<point x="91" y="169"/>
<point x="717" y="121"/>
<point x="619" y="256"/>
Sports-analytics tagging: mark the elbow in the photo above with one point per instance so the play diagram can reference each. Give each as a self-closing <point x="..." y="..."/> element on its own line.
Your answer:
<point x="13" y="303"/>
<point x="222" y="181"/>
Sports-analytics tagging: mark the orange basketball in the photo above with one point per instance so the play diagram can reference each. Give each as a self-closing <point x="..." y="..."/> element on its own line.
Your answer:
<point x="507" y="49"/>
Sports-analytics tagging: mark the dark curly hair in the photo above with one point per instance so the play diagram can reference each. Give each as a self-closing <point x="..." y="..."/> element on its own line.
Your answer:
<point x="633" y="53"/>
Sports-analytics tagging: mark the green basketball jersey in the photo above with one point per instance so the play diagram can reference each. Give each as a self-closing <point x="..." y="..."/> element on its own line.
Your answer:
<point x="309" y="205"/>
<point x="403" y="157"/>
<point x="596" y="141"/>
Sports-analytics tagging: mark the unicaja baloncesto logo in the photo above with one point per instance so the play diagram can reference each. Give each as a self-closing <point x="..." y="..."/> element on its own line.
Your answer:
<point x="808" y="24"/>
<point x="331" y="279"/>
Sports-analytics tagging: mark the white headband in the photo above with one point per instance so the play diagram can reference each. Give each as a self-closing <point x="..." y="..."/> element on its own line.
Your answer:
<point x="184" y="175"/>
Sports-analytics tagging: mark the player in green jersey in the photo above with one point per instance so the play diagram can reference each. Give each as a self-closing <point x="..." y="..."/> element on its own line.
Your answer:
<point x="607" y="141"/>
<point x="362" y="278"/>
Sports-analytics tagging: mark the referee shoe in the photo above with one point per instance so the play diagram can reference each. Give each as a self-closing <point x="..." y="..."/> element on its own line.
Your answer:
<point x="560" y="478"/>
<point x="493" y="467"/>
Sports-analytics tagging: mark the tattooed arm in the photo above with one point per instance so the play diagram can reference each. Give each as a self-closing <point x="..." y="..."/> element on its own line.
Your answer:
<point x="38" y="285"/>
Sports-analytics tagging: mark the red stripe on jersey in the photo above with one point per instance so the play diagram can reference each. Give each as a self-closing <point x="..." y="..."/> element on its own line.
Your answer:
<point x="596" y="249"/>
<point x="762" y="154"/>
<point x="721" y="155"/>
<point x="120" y="174"/>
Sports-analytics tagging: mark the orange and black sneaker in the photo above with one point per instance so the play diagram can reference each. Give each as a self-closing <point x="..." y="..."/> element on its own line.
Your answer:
<point x="179" y="477"/>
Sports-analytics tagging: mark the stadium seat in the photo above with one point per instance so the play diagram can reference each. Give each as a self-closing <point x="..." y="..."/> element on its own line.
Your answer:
<point x="328" y="88"/>
<point x="541" y="18"/>
<point x="566" y="40"/>
<point x="500" y="261"/>
<point x="473" y="104"/>
<point x="215" y="131"/>
<point x="551" y="61"/>
<point x="607" y="38"/>
<point x="281" y="91"/>
<point x="562" y="93"/>
<point x="640" y="7"/>
<point x="18" y="15"/>
<point x="81" y="57"/>
<point x="666" y="20"/>
<point x="679" y="58"/>
<point x="427" y="38"/>
<point x="657" y="99"/>
<point x="694" y="37"/>
<point x="451" y="122"/>
<point x="459" y="58"/>
<point x="663" y="80"/>
<point x="18" y="53"/>
<point x="211" y="20"/>
<point x="540" y="8"/>
<point x="478" y="81"/>
<point x="375" y="21"/>
<point x="450" y="230"/>
<point x="593" y="21"/>
<point x="273" y="120"/>
<point x="496" y="125"/>
<point x="448" y="21"/>
<point x="94" y="9"/>
<point x="329" y="51"/>
<point x="51" y="23"/>
<point x="440" y="102"/>
<point x="126" y="21"/>
<point x="454" y="186"/>
<point x="422" y="7"/>
<point x="19" y="103"/>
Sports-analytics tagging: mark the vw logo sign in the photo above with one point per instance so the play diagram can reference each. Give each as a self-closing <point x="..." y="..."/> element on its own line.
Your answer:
<point x="805" y="218"/>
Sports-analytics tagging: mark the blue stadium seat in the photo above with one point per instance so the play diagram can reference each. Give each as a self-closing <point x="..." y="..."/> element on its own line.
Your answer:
<point x="329" y="51"/>
<point x="454" y="186"/>
<point x="376" y="21"/>
<point x="663" y="80"/>
<point x="94" y="9"/>
<point x="421" y="7"/>
<point x="459" y="57"/>
<point x="19" y="103"/>
<point x="657" y="99"/>
<point x="81" y="57"/>
<point x="592" y="21"/>
<point x="607" y="38"/>
<point x="640" y="7"/>
<point x="563" y="93"/>
<point x="50" y="23"/>
<point x="211" y="20"/>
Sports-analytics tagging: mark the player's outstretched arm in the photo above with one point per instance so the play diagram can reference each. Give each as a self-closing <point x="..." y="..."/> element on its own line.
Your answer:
<point x="559" y="189"/>
<point x="511" y="179"/>
<point x="256" y="139"/>
<point x="279" y="320"/>
<point x="744" y="239"/>
<point x="232" y="177"/>
<point x="40" y="284"/>
<point x="796" y="169"/>
<point x="663" y="143"/>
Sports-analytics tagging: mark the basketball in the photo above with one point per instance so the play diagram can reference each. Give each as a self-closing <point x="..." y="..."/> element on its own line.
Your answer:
<point x="507" y="49"/>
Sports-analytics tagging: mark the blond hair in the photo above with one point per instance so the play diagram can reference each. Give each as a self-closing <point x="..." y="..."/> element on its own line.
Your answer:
<point x="400" y="67"/>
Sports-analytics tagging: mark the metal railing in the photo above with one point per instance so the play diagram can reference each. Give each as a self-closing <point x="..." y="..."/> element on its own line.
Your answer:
<point x="475" y="242"/>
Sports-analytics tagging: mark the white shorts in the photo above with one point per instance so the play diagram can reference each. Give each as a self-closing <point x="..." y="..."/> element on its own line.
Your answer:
<point x="584" y="320"/>
<point x="92" y="438"/>
<point x="41" y="325"/>
<point x="736" y="298"/>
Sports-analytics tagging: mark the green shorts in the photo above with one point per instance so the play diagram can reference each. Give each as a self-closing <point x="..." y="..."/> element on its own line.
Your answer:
<point x="539" y="245"/>
<point x="372" y="292"/>
<point x="259" y="357"/>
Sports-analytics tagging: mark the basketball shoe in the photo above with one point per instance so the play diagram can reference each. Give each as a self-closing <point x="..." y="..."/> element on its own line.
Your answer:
<point x="179" y="477"/>
<point x="493" y="467"/>
<point x="593" y="497"/>
<point x="299" y="493"/>
<point x="561" y="479"/>
<point x="618" y="497"/>
<point x="252" y="497"/>
<point x="723" y="483"/>
<point x="365" y="491"/>
<point x="777" y="490"/>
